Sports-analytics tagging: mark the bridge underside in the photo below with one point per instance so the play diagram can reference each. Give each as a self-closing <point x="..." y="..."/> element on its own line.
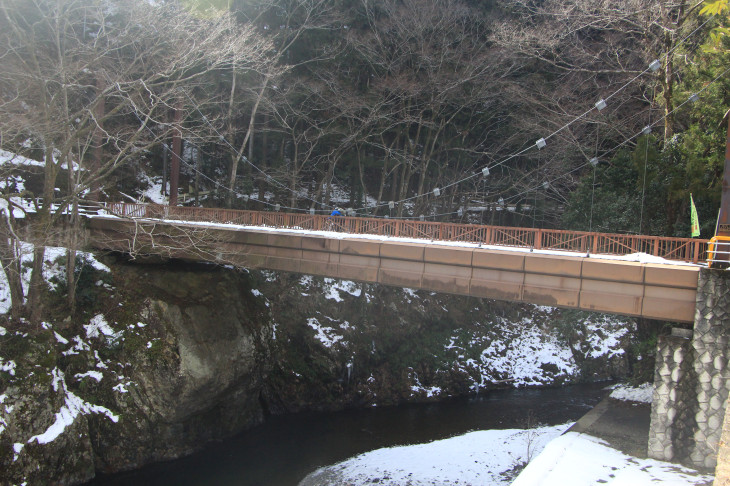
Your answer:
<point x="655" y="291"/>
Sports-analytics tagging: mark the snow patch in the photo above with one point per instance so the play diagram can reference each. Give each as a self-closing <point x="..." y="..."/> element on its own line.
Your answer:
<point x="325" y="335"/>
<point x="98" y="326"/>
<point x="96" y="375"/>
<point x="15" y="159"/>
<point x="524" y="357"/>
<point x="17" y="447"/>
<point x="52" y="271"/>
<point x="418" y="388"/>
<point x="581" y="459"/>
<point x="79" y="346"/>
<point x="642" y="393"/>
<point x="153" y="192"/>
<point x="7" y="366"/>
<point x="72" y="408"/>
<point x="482" y="457"/>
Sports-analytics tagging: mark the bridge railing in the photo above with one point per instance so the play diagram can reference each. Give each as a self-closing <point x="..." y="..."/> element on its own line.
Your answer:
<point x="682" y="249"/>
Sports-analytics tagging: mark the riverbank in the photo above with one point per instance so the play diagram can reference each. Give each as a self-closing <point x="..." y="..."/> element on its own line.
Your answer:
<point x="607" y="445"/>
<point x="575" y="459"/>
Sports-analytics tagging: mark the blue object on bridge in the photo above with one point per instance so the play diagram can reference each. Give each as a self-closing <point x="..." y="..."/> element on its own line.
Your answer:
<point x="335" y="212"/>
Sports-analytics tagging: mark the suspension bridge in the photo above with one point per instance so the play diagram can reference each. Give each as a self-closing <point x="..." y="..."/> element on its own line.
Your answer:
<point x="546" y="267"/>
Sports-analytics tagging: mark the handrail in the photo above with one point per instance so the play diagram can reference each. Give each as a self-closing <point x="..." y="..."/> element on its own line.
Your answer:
<point x="680" y="249"/>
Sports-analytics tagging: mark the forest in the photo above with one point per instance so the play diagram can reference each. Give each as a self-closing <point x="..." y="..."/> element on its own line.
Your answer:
<point x="593" y="115"/>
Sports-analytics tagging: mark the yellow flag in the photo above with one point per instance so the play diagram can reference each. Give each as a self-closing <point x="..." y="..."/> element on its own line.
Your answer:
<point x="695" y="222"/>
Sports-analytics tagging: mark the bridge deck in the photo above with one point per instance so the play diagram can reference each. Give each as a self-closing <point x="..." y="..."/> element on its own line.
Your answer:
<point x="657" y="291"/>
<point x="682" y="249"/>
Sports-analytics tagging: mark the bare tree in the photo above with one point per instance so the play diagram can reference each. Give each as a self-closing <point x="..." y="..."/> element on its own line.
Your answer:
<point x="284" y="24"/>
<point x="426" y="82"/>
<point x="92" y="86"/>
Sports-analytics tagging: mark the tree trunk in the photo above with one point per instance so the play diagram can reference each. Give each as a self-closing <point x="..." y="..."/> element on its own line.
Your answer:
<point x="98" y="138"/>
<point x="246" y="138"/>
<point x="40" y="232"/>
<point x="176" y="156"/>
<point x="10" y="258"/>
<point x="668" y="91"/>
<point x="364" y="190"/>
<point x="197" y="177"/>
<point x="71" y="241"/>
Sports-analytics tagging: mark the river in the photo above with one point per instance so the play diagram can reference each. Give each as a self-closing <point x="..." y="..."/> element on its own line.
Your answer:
<point x="284" y="449"/>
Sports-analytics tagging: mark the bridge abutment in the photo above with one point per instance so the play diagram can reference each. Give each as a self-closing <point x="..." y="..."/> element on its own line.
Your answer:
<point x="691" y="380"/>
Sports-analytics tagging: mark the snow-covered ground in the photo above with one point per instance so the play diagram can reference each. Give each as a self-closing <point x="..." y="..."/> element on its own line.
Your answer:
<point x="487" y="457"/>
<point x="484" y="457"/>
<point x="577" y="459"/>
<point x="641" y="393"/>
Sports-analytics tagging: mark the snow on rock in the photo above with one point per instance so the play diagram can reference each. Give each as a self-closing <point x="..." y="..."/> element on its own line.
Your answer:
<point x="409" y="294"/>
<point x="333" y="288"/>
<point x="7" y="366"/>
<point x="60" y="338"/>
<point x="482" y="458"/>
<point x="153" y="193"/>
<point x="642" y="393"/>
<point x="99" y="362"/>
<point x="603" y="338"/>
<point x="524" y="357"/>
<point x="78" y="347"/>
<point x="578" y="459"/>
<point x="98" y="326"/>
<point x="53" y="253"/>
<point x="96" y="375"/>
<point x="15" y="159"/>
<point x="325" y="335"/>
<point x="332" y="293"/>
<point x="72" y="408"/>
<point x="17" y="447"/>
<point x="52" y="271"/>
<point x="418" y="389"/>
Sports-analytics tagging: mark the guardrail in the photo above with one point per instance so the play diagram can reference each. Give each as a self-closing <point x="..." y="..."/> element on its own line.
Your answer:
<point x="681" y="249"/>
<point x="718" y="252"/>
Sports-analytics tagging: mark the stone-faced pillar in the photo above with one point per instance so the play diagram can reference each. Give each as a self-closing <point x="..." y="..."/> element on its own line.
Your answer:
<point x="710" y="343"/>
<point x="667" y="436"/>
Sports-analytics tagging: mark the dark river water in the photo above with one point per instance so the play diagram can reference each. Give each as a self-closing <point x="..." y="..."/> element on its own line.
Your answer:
<point x="283" y="450"/>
